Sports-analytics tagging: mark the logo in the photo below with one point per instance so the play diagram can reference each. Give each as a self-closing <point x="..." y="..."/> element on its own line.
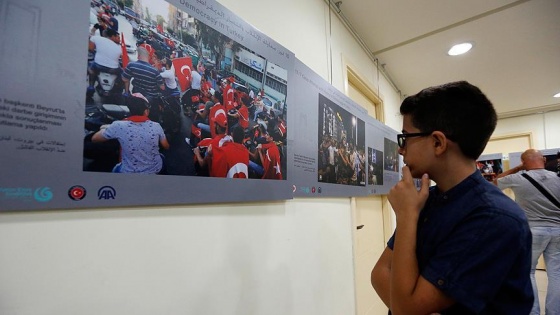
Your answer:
<point x="305" y="190"/>
<point x="319" y="189"/>
<point x="313" y="189"/>
<point x="77" y="192"/>
<point x="106" y="192"/>
<point x="43" y="194"/>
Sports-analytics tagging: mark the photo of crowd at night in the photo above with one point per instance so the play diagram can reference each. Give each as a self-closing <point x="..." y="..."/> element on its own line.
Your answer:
<point x="391" y="155"/>
<point x="341" y="151"/>
<point x="375" y="167"/>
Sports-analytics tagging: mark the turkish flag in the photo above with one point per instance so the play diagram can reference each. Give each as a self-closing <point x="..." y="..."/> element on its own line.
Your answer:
<point x="228" y="96"/>
<point x="218" y="111"/>
<point x="183" y="69"/>
<point x="125" y="59"/>
<point x="197" y="132"/>
<point x="271" y="161"/>
<point x="243" y="116"/>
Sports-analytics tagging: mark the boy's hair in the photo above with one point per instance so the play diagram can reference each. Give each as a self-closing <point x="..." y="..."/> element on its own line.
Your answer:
<point x="458" y="109"/>
<point x="110" y="33"/>
<point x="218" y="95"/>
<point x="136" y="106"/>
<point x="238" y="134"/>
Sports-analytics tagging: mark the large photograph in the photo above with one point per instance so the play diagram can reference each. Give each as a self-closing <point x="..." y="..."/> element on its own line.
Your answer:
<point x="167" y="94"/>
<point x="341" y="152"/>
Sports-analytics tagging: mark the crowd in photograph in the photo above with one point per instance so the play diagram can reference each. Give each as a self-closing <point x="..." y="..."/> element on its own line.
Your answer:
<point x="229" y="128"/>
<point x="340" y="162"/>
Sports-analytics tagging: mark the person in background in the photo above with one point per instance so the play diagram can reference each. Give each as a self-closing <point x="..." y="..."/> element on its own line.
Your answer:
<point x="147" y="81"/>
<point x="218" y="121"/>
<point x="168" y="75"/>
<point x="544" y="219"/>
<point x="269" y="157"/>
<point x="462" y="246"/>
<point x="98" y="28"/>
<point x="202" y="121"/>
<point x="139" y="137"/>
<point x="107" y="54"/>
<point x="111" y="21"/>
<point x="231" y="158"/>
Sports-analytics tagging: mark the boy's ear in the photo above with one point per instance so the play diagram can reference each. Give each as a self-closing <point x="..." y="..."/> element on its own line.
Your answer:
<point x="439" y="141"/>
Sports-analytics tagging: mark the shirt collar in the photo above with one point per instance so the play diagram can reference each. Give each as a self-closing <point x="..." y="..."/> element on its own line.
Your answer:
<point x="465" y="185"/>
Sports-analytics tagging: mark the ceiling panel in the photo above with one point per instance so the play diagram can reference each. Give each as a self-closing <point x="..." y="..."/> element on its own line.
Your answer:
<point x="516" y="54"/>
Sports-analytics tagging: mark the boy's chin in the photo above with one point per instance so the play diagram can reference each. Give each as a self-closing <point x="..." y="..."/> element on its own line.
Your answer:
<point x="415" y="173"/>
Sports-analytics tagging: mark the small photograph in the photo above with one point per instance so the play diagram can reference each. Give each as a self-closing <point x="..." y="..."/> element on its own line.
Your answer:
<point x="168" y="94"/>
<point x="341" y="146"/>
<point x="375" y="167"/>
<point x="490" y="168"/>
<point x="553" y="163"/>
<point x="391" y="155"/>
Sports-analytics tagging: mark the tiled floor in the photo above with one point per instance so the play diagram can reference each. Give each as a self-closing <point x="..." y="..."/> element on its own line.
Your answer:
<point x="542" y="282"/>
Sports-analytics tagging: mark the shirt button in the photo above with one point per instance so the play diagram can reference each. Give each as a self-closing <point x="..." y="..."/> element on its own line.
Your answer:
<point x="440" y="282"/>
<point x="445" y="197"/>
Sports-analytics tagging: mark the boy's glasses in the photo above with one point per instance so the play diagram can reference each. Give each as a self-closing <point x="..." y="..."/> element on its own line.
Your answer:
<point x="401" y="138"/>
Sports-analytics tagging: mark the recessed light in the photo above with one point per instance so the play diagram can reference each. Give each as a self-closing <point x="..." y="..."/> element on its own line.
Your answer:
<point x="459" y="49"/>
<point x="557" y="95"/>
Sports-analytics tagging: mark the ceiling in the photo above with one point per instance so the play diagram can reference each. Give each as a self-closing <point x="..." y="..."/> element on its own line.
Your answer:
<point x="515" y="59"/>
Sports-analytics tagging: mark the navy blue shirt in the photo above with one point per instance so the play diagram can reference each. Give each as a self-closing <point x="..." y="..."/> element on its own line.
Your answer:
<point x="474" y="244"/>
<point x="147" y="79"/>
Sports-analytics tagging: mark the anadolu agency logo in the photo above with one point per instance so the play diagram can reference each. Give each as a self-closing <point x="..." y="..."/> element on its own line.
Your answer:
<point x="41" y="194"/>
<point x="106" y="192"/>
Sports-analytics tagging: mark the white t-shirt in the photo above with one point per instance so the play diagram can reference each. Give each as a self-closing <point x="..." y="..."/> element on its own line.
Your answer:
<point x="168" y="76"/>
<point x="332" y="151"/>
<point x="540" y="211"/>
<point x="195" y="83"/>
<point x="107" y="52"/>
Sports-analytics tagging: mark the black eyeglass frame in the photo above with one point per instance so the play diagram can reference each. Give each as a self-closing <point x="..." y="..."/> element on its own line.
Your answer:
<point x="401" y="138"/>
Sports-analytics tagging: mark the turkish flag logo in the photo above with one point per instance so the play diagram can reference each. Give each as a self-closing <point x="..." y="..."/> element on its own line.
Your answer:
<point x="77" y="192"/>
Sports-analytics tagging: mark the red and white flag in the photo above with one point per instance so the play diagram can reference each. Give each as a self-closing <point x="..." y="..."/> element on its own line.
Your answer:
<point x="183" y="71"/>
<point x="124" y="57"/>
<point x="271" y="161"/>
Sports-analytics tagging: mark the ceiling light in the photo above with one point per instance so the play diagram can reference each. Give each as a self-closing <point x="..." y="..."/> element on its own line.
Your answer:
<point x="459" y="49"/>
<point x="557" y="95"/>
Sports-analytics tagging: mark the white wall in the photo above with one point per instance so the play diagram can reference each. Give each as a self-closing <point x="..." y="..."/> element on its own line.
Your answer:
<point x="292" y="257"/>
<point x="276" y="258"/>
<point x="544" y="127"/>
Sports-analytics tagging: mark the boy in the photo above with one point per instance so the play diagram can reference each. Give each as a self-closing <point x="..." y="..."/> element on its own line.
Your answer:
<point x="461" y="247"/>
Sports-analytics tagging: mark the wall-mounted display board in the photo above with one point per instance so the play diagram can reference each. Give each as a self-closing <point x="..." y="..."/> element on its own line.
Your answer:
<point x="336" y="149"/>
<point x="552" y="159"/>
<point x="490" y="165"/>
<point x="383" y="160"/>
<point x="49" y="116"/>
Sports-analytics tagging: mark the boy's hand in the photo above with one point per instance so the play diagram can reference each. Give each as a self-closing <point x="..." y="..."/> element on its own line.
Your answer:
<point x="405" y="198"/>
